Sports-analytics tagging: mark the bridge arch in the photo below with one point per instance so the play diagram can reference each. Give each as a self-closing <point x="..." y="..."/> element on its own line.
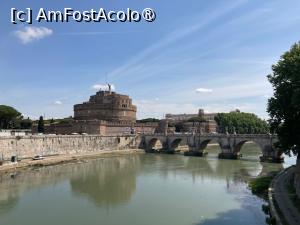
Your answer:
<point x="203" y="144"/>
<point x="239" y="145"/>
<point x="179" y="143"/>
<point x="266" y="149"/>
<point x="155" y="144"/>
<point x="175" y="143"/>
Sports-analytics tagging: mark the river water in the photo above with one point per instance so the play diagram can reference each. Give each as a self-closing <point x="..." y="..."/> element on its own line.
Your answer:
<point x="145" y="189"/>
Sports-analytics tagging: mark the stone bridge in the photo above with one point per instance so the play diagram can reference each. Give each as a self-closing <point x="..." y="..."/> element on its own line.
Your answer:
<point x="230" y="144"/>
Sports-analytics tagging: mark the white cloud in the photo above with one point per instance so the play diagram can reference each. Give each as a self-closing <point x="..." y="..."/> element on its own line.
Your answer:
<point x="58" y="102"/>
<point x="29" y="34"/>
<point x="102" y="87"/>
<point x="204" y="90"/>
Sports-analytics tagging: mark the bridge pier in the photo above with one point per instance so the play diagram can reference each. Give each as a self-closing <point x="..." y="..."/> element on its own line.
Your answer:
<point x="230" y="144"/>
<point x="228" y="155"/>
<point x="271" y="154"/>
<point x="194" y="153"/>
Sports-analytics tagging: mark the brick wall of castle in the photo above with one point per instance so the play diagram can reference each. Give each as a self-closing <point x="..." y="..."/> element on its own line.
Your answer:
<point x="108" y="106"/>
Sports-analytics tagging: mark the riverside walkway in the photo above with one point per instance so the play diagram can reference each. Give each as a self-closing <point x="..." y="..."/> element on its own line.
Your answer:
<point x="282" y="197"/>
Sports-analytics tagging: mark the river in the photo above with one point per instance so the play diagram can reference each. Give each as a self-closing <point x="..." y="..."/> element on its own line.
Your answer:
<point x="144" y="189"/>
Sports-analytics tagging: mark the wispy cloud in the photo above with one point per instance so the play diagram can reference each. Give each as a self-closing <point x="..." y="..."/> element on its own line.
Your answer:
<point x="204" y="90"/>
<point x="176" y="35"/>
<point x="102" y="87"/>
<point x="58" y="102"/>
<point x="30" y="34"/>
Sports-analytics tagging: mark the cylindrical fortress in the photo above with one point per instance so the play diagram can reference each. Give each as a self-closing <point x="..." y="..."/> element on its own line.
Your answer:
<point x="106" y="105"/>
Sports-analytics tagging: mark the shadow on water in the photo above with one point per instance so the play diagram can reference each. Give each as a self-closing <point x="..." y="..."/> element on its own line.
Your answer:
<point x="235" y="216"/>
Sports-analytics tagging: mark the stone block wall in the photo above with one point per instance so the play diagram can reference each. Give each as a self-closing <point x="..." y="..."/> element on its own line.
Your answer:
<point x="29" y="146"/>
<point x="297" y="177"/>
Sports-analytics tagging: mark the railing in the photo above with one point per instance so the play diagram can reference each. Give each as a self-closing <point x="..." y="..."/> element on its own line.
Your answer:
<point x="213" y="135"/>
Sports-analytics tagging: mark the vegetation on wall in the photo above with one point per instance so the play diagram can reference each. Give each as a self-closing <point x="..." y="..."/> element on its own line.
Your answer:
<point x="284" y="106"/>
<point x="241" y="123"/>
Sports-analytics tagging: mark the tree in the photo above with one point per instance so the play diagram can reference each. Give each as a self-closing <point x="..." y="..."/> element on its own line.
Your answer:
<point x="241" y="123"/>
<point x="26" y="123"/>
<point x="8" y="117"/>
<point x="284" y="106"/>
<point x="41" y="128"/>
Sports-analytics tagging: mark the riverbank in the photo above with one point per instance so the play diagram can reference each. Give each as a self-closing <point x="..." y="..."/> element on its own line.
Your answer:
<point x="260" y="185"/>
<point x="282" y="207"/>
<point x="62" y="159"/>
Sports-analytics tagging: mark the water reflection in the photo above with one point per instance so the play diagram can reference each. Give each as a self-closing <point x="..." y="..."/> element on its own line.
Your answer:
<point x="131" y="185"/>
<point x="107" y="182"/>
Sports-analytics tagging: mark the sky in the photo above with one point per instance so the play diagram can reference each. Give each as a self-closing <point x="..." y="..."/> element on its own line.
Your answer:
<point x="213" y="55"/>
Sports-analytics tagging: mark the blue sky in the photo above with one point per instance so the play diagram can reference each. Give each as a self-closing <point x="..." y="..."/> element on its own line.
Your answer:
<point x="197" y="54"/>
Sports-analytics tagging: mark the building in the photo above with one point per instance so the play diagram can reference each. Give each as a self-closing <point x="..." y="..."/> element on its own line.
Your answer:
<point x="106" y="113"/>
<point x="108" y="106"/>
<point x="110" y="113"/>
<point x="185" y="117"/>
<point x="208" y="126"/>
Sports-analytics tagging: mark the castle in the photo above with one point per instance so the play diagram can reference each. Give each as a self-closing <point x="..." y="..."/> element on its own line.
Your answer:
<point x="106" y="113"/>
<point x="110" y="113"/>
<point x="106" y="105"/>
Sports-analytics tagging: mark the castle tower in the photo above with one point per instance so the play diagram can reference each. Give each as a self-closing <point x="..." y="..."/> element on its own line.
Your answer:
<point x="106" y="105"/>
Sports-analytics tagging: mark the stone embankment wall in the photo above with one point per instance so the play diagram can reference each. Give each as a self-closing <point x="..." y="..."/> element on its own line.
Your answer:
<point x="297" y="177"/>
<point x="29" y="146"/>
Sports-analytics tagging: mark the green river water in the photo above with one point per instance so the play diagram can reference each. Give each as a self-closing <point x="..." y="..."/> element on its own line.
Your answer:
<point x="144" y="189"/>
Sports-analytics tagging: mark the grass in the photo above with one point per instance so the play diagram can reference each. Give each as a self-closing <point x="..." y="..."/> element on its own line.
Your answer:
<point x="259" y="186"/>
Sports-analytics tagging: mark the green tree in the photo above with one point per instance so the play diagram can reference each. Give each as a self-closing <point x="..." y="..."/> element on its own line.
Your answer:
<point x="8" y="117"/>
<point x="284" y="106"/>
<point x="241" y="123"/>
<point x="41" y="128"/>
<point x="26" y="123"/>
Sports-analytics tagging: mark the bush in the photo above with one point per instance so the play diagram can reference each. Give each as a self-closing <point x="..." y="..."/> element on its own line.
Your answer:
<point x="260" y="185"/>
